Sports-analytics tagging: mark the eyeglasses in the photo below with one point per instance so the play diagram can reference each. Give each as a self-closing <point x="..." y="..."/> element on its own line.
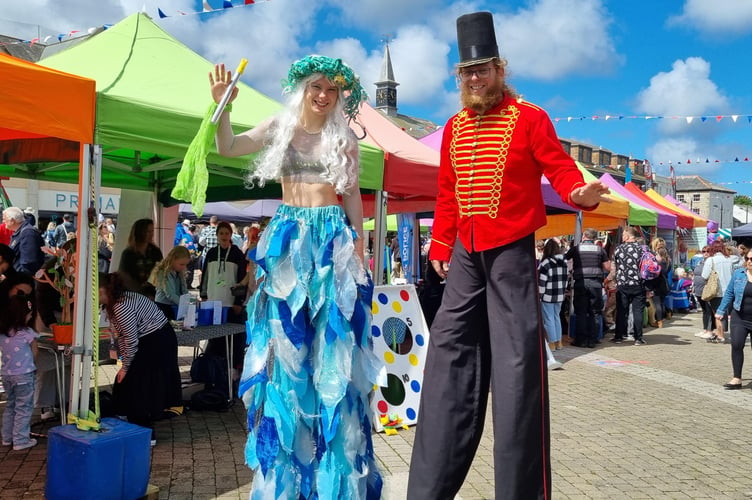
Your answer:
<point x="747" y="259"/>
<point x="466" y="74"/>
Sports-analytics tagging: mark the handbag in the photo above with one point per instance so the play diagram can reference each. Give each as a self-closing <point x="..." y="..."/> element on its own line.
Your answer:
<point x="712" y="285"/>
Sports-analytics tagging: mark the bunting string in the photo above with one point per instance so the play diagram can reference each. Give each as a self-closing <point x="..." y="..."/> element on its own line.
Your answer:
<point x="707" y="160"/>
<point x="206" y="7"/>
<point x="76" y="33"/>
<point x="688" y="119"/>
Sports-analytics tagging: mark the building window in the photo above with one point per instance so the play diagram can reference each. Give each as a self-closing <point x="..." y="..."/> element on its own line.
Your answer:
<point x="585" y="155"/>
<point x="680" y="197"/>
<point x="696" y="211"/>
<point x="695" y="197"/>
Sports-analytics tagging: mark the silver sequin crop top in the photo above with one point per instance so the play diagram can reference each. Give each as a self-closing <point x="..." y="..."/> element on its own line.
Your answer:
<point x="302" y="161"/>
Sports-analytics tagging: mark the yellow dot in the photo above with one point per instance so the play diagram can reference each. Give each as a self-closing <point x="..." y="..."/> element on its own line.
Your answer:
<point x="413" y="359"/>
<point x="374" y="308"/>
<point x="397" y="306"/>
<point x="389" y="357"/>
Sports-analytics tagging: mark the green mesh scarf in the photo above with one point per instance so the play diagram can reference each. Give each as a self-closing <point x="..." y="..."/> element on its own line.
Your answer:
<point x="336" y="71"/>
<point x="193" y="178"/>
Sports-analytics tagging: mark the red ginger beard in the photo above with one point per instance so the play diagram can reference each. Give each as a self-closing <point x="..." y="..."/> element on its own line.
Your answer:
<point x="482" y="103"/>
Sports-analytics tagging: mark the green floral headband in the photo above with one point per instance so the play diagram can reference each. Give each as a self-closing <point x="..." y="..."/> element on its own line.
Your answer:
<point x="335" y="70"/>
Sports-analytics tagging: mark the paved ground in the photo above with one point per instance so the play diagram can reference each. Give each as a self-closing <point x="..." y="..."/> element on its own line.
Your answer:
<point x="627" y="422"/>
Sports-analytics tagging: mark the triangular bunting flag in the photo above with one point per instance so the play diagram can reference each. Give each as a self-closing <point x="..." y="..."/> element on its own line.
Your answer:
<point x="207" y="7"/>
<point x="689" y="119"/>
<point x="227" y="4"/>
<point x="162" y="15"/>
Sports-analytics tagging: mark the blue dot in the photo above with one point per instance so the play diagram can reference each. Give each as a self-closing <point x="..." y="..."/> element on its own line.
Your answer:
<point x="383" y="298"/>
<point x="410" y="414"/>
<point x="415" y="386"/>
<point x="419" y="339"/>
<point x="375" y="331"/>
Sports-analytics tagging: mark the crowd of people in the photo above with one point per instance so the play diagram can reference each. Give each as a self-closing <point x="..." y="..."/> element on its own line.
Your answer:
<point x="604" y="287"/>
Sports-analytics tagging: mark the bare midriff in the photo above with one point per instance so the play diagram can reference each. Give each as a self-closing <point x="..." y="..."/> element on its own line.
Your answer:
<point x="298" y="194"/>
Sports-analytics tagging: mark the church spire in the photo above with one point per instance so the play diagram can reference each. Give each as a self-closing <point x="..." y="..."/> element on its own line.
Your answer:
<point x="386" y="87"/>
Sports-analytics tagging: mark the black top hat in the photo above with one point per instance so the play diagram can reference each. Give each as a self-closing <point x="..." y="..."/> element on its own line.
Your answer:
<point x="476" y="38"/>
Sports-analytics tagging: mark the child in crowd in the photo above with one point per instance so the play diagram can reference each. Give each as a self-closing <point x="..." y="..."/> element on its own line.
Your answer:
<point x="169" y="279"/>
<point x="18" y="346"/>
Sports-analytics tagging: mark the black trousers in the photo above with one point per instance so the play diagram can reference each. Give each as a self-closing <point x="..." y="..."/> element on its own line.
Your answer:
<point x="629" y="296"/>
<point x="588" y="306"/>
<point x="740" y="329"/>
<point x="487" y="333"/>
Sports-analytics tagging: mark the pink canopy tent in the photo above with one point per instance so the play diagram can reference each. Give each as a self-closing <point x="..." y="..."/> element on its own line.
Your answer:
<point x="410" y="167"/>
<point x="433" y="140"/>
<point x="666" y="220"/>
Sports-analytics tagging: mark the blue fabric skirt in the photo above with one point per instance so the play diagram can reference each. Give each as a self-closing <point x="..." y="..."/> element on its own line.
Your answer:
<point x="310" y="367"/>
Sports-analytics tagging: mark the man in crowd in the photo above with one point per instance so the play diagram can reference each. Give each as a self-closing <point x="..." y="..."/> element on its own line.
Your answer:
<point x="488" y="330"/>
<point x="63" y="229"/>
<point x="207" y="238"/>
<point x="589" y="263"/>
<point x="630" y="287"/>
<point x="26" y="242"/>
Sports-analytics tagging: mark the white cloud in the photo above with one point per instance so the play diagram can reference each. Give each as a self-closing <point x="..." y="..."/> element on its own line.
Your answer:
<point x="556" y="38"/>
<point x="716" y="17"/>
<point x="686" y="90"/>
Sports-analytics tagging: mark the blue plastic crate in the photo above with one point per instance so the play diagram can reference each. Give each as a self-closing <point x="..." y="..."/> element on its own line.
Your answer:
<point x="112" y="464"/>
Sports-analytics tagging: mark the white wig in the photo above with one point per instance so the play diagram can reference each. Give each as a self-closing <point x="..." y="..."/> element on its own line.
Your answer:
<point x="339" y="145"/>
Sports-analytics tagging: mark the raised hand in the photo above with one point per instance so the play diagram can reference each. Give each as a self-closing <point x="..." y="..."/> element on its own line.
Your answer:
<point x="219" y="81"/>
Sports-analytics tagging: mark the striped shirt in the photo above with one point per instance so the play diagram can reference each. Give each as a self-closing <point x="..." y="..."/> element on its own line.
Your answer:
<point x="552" y="279"/>
<point x="134" y="316"/>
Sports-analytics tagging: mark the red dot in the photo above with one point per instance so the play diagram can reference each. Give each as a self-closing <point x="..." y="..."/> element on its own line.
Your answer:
<point x="382" y="406"/>
<point x="404" y="295"/>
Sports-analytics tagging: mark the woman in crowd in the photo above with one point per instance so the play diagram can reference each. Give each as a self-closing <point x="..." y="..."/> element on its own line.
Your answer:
<point x="169" y="280"/>
<point x="552" y="286"/>
<point x="738" y="297"/>
<point x="149" y="378"/>
<point x="698" y="285"/>
<point x="660" y="286"/>
<point x="49" y="235"/>
<point x="140" y="256"/>
<point x="18" y="346"/>
<point x="310" y="365"/>
<point x="718" y="259"/>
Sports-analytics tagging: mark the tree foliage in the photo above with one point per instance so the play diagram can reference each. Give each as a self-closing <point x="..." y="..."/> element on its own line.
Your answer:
<point x="742" y="199"/>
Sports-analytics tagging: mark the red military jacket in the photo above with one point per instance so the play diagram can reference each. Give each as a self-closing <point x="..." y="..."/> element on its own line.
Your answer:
<point x="490" y="177"/>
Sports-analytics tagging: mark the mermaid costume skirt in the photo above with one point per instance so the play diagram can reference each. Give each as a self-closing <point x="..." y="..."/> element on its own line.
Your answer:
<point x="309" y="366"/>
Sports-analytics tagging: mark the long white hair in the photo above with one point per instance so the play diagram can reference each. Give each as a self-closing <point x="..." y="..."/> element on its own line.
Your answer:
<point x="339" y="146"/>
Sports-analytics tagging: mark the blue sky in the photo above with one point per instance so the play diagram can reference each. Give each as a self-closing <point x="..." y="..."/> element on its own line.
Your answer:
<point x="686" y="61"/>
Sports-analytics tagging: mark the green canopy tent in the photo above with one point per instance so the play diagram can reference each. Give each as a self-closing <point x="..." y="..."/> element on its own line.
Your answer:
<point x="152" y="92"/>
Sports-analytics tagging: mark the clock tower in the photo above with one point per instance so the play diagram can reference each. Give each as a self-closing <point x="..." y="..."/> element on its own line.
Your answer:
<point x="386" y="87"/>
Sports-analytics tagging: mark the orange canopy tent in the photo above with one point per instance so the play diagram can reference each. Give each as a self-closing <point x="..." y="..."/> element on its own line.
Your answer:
<point x="663" y="202"/>
<point x="682" y="220"/>
<point x="45" y="114"/>
<point x="48" y="116"/>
